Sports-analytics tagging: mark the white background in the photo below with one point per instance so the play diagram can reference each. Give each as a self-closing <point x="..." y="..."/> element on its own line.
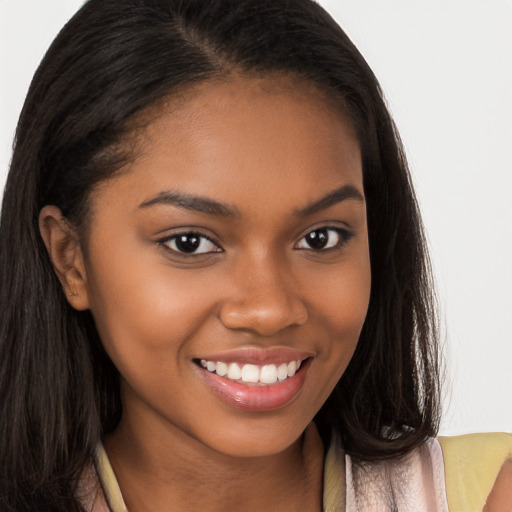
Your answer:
<point x="446" y="69"/>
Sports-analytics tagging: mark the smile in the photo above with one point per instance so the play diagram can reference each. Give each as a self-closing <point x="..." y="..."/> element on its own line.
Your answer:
<point x="252" y="373"/>
<point x="256" y="380"/>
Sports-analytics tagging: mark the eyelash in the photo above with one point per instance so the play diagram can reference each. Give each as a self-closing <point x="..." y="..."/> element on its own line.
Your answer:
<point x="201" y="240"/>
<point x="344" y="236"/>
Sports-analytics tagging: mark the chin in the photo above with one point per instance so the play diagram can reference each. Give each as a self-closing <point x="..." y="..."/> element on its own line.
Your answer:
<point x="258" y="440"/>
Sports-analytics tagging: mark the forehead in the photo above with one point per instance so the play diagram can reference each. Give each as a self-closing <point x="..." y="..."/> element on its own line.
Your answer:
<point x="245" y="140"/>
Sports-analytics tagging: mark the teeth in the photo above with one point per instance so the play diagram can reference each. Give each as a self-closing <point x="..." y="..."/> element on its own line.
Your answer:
<point x="282" y="371"/>
<point x="222" y="369"/>
<point x="251" y="373"/>
<point x="292" y="368"/>
<point x="268" y="374"/>
<point x="234" y="372"/>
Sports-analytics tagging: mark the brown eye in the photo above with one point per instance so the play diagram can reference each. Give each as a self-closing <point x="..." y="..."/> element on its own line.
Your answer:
<point x="317" y="239"/>
<point x="323" y="238"/>
<point x="191" y="243"/>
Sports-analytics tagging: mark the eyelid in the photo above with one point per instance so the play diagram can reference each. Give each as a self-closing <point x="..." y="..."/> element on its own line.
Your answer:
<point x="344" y="233"/>
<point x="193" y="231"/>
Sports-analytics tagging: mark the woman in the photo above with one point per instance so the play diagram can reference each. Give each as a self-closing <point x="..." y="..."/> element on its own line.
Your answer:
<point x="219" y="286"/>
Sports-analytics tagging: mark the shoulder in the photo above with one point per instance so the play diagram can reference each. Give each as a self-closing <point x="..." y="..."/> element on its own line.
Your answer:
<point x="501" y="495"/>
<point x="472" y="463"/>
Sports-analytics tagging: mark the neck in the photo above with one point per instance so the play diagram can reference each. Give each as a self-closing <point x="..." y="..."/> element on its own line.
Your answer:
<point x="176" y="472"/>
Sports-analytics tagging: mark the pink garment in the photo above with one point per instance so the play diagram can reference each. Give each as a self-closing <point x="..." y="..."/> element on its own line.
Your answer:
<point x="415" y="483"/>
<point x="90" y="491"/>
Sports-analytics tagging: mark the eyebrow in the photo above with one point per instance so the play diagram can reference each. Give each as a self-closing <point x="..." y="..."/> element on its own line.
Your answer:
<point x="212" y="207"/>
<point x="191" y="202"/>
<point x="337" y="196"/>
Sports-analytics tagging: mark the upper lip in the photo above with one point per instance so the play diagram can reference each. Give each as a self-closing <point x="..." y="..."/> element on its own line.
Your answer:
<point x="259" y="356"/>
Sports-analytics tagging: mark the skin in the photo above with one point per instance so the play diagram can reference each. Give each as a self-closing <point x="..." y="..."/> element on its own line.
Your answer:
<point x="265" y="149"/>
<point x="500" y="498"/>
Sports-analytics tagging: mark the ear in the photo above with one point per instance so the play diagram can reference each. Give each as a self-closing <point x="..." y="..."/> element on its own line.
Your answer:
<point x="65" y="250"/>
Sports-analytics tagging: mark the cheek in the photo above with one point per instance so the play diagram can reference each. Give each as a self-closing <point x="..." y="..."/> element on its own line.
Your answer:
<point x="141" y="307"/>
<point x="344" y="292"/>
<point x="340" y="303"/>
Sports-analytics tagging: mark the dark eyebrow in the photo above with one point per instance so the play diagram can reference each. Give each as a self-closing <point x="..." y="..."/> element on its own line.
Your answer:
<point x="332" y="198"/>
<point x="191" y="202"/>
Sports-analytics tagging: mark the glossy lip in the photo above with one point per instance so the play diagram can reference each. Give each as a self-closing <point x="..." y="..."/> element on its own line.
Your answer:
<point x="259" y="357"/>
<point x="254" y="397"/>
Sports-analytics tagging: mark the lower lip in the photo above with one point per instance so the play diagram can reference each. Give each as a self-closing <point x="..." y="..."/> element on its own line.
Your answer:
<point x="251" y="397"/>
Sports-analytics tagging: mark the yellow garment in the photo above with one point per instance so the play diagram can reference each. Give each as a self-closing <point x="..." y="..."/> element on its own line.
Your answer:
<point x="334" y="495"/>
<point x="472" y="463"/>
<point x="109" y="484"/>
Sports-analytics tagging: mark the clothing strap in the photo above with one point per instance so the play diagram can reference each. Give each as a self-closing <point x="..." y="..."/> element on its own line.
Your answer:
<point x="108" y="481"/>
<point x="334" y="478"/>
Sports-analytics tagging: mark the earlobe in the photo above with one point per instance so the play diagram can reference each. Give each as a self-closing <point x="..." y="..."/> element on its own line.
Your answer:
<point x="65" y="251"/>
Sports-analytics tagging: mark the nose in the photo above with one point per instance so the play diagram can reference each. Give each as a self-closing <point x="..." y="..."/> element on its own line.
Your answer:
<point x="264" y="300"/>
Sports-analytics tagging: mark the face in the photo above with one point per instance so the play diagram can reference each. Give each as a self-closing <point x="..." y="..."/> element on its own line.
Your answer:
<point x="227" y="268"/>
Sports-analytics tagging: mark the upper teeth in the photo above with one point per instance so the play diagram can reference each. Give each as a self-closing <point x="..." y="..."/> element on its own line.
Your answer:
<point x="267" y="374"/>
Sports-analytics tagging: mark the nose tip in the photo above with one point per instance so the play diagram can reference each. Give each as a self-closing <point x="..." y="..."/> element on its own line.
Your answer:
<point x="265" y="313"/>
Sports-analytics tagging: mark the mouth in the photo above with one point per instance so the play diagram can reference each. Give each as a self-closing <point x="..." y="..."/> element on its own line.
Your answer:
<point x="256" y="385"/>
<point x="251" y="373"/>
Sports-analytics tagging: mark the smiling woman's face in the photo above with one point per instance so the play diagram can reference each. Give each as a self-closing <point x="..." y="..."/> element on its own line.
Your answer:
<point x="233" y="251"/>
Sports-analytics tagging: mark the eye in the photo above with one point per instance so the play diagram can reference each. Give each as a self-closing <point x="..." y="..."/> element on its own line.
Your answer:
<point x="191" y="243"/>
<point x="323" y="239"/>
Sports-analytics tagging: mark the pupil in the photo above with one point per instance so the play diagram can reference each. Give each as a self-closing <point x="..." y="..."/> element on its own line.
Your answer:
<point x="187" y="243"/>
<point x="317" y="239"/>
